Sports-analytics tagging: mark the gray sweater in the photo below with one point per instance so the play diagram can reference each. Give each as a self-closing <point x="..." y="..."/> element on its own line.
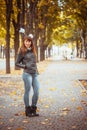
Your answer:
<point x="27" y="62"/>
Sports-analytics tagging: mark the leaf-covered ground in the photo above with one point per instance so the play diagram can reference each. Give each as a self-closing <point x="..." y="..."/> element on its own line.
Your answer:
<point x="62" y="101"/>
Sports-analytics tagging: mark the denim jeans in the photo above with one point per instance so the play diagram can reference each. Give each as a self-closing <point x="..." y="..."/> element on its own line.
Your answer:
<point x="30" y="80"/>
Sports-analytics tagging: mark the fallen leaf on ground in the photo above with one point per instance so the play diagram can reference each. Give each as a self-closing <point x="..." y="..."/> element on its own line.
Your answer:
<point x="19" y="128"/>
<point x="66" y="109"/>
<point x="1" y="123"/>
<point x="52" y="89"/>
<point x="85" y="119"/>
<point x="79" y="108"/>
<point x="17" y="114"/>
<point x="9" y="128"/>
<point x="13" y="93"/>
<point x="46" y="106"/>
<point x="84" y="102"/>
<point x="73" y="127"/>
<point x="73" y="99"/>
<point x="64" y="113"/>
<point x="11" y="120"/>
<point x="83" y="93"/>
<point x="21" y="113"/>
<point x="1" y="117"/>
<point x="43" y="123"/>
<point x="76" y="84"/>
<point x="25" y="121"/>
<point x="46" y="119"/>
<point x="53" y="112"/>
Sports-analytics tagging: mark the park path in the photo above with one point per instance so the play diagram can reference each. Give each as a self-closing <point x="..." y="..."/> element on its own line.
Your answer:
<point x="62" y="101"/>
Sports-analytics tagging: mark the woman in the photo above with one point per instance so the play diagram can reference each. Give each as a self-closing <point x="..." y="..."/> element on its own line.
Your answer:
<point x="26" y="59"/>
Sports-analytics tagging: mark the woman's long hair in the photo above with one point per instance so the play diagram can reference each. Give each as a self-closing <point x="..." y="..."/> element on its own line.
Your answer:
<point x="23" y="48"/>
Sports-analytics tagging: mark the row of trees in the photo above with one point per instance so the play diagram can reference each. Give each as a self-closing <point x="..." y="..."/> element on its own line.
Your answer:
<point x="75" y="18"/>
<point x="35" y="16"/>
<point x="50" y="21"/>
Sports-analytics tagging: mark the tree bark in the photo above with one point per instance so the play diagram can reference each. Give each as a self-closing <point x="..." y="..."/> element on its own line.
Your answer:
<point x="17" y="25"/>
<point x="42" y="50"/>
<point x="84" y="43"/>
<point x="8" y="18"/>
<point x="29" y="17"/>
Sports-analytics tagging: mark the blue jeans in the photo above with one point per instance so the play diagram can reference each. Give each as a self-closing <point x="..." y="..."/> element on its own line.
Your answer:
<point x="30" y="80"/>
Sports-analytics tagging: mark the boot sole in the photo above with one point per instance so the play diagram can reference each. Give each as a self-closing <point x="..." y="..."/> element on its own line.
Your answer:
<point x="32" y="115"/>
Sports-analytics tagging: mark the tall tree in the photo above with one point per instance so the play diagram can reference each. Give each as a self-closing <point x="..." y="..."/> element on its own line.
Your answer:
<point x="8" y="21"/>
<point x="16" y="20"/>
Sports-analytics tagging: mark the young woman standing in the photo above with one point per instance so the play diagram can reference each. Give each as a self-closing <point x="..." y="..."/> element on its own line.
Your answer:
<point x="26" y="59"/>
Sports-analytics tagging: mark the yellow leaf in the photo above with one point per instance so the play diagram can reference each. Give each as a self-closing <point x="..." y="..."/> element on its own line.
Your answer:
<point x="79" y="108"/>
<point x="46" y="106"/>
<point x="83" y="91"/>
<point x="52" y="89"/>
<point x="13" y="93"/>
<point x="38" y="110"/>
<point x="66" y="109"/>
<point x="73" y="99"/>
<point x="64" y="113"/>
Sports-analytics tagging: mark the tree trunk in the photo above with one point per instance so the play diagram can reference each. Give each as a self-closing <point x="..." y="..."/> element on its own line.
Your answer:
<point x="17" y="25"/>
<point x="29" y="17"/>
<point x="49" y="52"/>
<point x="83" y="37"/>
<point x="85" y="44"/>
<point x="77" y="47"/>
<point x="42" y="50"/>
<point x="16" y="37"/>
<point x="8" y="17"/>
<point x="42" y="56"/>
<point x="16" y="45"/>
<point x="81" y="51"/>
<point x="86" y="52"/>
<point x="36" y="30"/>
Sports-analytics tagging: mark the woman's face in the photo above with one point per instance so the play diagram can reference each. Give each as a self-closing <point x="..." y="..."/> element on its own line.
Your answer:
<point x="27" y="43"/>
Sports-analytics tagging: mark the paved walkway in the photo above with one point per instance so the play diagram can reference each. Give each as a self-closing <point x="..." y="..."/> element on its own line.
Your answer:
<point x="62" y="101"/>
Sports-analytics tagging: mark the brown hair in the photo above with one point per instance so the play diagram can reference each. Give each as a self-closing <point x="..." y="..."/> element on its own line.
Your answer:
<point x="23" y="48"/>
